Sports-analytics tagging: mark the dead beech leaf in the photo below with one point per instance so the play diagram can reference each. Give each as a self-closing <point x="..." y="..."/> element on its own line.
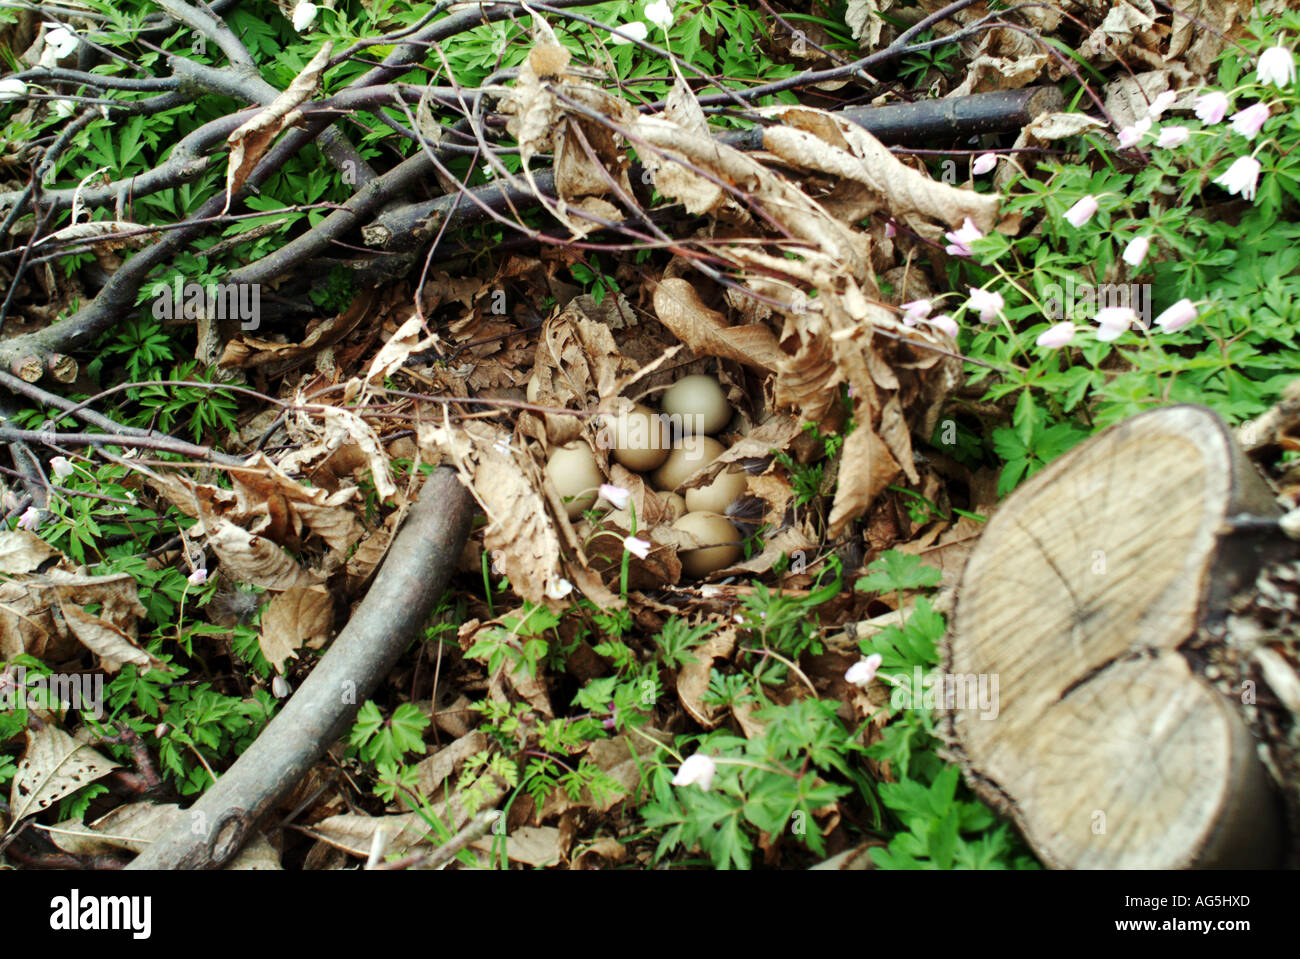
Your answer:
<point x="55" y="765"/>
<point x="863" y="18"/>
<point x="866" y="468"/>
<point x="248" y="352"/>
<point x="520" y="533"/>
<point x="818" y="140"/>
<point x="434" y="770"/>
<point x="354" y="833"/>
<point x="22" y="551"/>
<point x="1059" y="126"/>
<point x="133" y="826"/>
<point x="300" y="616"/>
<point x="340" y="424"/>
<point x="405" y="341"/>
<point x="255" y="559"/>
<point x="89" y="229"/>
<point x="274" y="504"/>
<point x="28" y="626"/>
<point x="110" y="644"/>
<point x="250" y="141"/>
<point x="693" y="678"/>
<point x="679" y="307"/>
<point x="531" y="845"/>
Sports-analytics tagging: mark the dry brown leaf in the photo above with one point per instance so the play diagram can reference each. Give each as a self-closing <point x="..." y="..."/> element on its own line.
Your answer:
<point x="864" y="20"/>
<point x="866" y="468"/>
<point x="434" y="770"/>
<point x="250" y="141"/>
<point x="693" y="678"/>
<point x="22" y="551"/>
<point x="679" y="307"/>
<point x="531" y="845"/>
<point x="252" y="559"/>
<point x="54" y="765"/>
<point x="250" y="352"/>
<point x="300" y="616"/>
<point x="110" y="644"/>
<point x="519" y="531"/>
<point x="398" y="348"/>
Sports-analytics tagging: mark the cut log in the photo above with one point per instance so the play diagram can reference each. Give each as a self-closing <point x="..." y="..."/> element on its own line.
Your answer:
<point x="1106" y="745"/>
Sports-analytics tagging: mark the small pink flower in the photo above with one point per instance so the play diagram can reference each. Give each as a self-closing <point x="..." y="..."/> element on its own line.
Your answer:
<point x="61" y="467"/>
<point x="986" y="303"/>
<point x="1113" y="321"/>
<point x="1136" y="251"/>
<point x="890" y="229"/>
<point x="1179" y="316"/>
<point x="198" y="577"/>
<point x="1242" y="177"/>
<point x="1212" y="107"/>
<point x="637" y="547"/>
<point x="915" y="310"/>
<point x="30" y="519"/>
<point x="959" y="241"/>
<point x="1247" y="122"/>
<point x="1057" y="336"/>
<point x="696" y="769"/>
<point x="1276" y="66"/>
<point x="983" y="163"/>
<point x="1082" y="212"/>
<point x="1171" y="137"/>
<point x="1162" y="102"/>
<point x="616" y="496"/>
<point x="1130" y="136"/>
<point x="944" y="323"/>
<point x="8" y="501"/>
<point x="864" y="670"/>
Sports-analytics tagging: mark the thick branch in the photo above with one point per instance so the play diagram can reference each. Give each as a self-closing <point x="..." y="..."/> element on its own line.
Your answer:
<point x="412" y="578"/>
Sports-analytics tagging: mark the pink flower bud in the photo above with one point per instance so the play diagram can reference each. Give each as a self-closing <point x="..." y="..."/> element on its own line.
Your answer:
<point x="983" y="164"/>
<point x="1162" y="102"/>
<point x="696" y="769"/>
<point x="1136" y="251"/>
<point x="1179" y="316"/>
<point x="986" y="303"/>
<point x="864" y="670"/>
<point x="1173" y="136"/>
<point x="1211" y="107"/>
<point x="1247" y="122"/>
<point x="959" y="240"/>
<point x="1082" y="212"/>
<point x="944" y="323"/>
<point x="1055" y="337"/>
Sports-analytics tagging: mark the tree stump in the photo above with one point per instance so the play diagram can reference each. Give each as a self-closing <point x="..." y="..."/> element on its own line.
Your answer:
<point x="1107" y="746"/>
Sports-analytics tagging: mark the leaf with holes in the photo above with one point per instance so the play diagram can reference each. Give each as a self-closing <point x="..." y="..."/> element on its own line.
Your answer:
<point x="55" y="765"/>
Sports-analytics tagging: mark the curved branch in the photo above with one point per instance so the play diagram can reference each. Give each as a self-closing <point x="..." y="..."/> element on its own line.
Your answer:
<point x="414" y="574"/>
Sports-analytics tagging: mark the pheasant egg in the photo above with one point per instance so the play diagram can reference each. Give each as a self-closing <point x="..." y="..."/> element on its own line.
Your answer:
<point x="718" y="495"/>
<point x="639" y="440"/>
<point x="688" y="455"/>
<point x="676" y="504"/>
<point x="708" y="528"/>
<point x="698" y="404"/>
<point x="572" y="471"/>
